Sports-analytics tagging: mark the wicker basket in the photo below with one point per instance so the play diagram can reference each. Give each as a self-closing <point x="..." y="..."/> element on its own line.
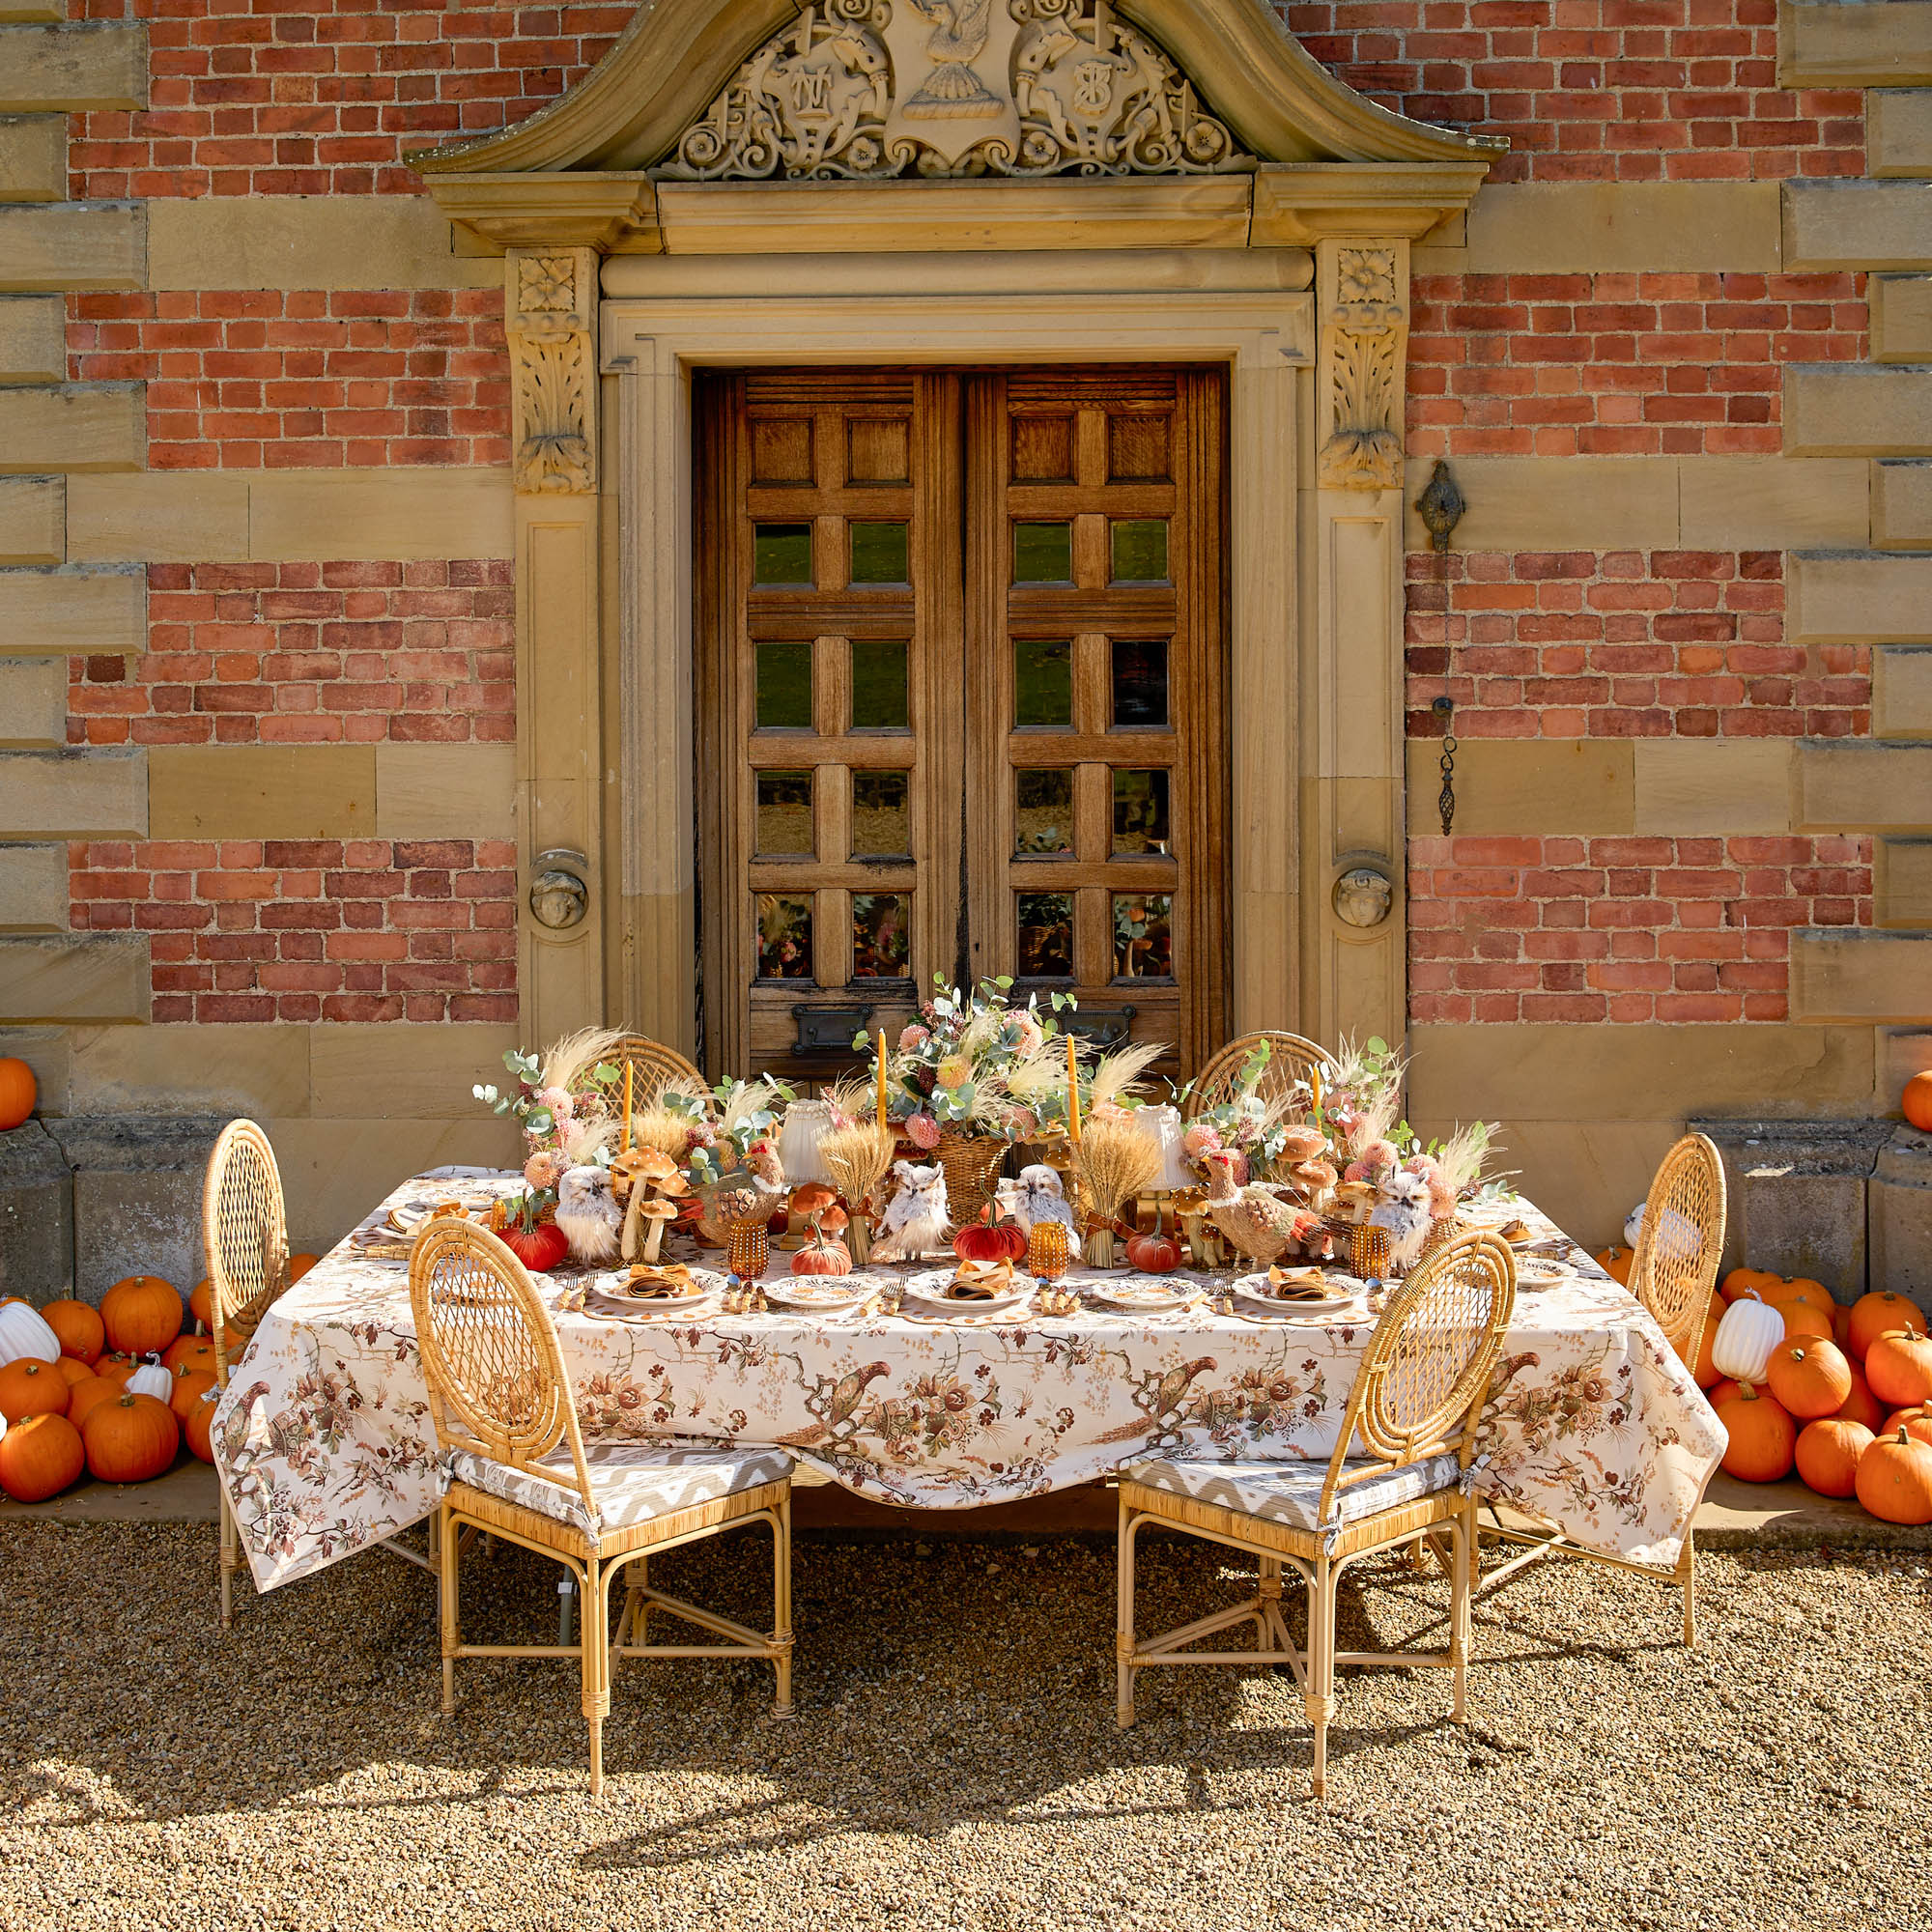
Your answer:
<point x="970" y="1165"/>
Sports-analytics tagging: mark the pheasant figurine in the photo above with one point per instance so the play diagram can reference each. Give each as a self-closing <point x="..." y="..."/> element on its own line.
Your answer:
<point x="761" y="1194"/>
<point x="1253" y="1220"/>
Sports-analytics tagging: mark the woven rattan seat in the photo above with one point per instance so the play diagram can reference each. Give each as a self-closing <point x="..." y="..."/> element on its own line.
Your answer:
<point x="1412" y="1417"/>
<point x="1291" y="1060"/>
<point x="654" y="1066"/>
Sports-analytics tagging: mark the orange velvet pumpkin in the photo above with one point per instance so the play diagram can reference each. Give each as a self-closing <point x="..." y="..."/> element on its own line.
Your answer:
<point x="77" y="1327"/>
<point x="1802" y="1319"/>
<point x="1763" y="1436"/>
<point x="1898" y="1366"/>
<point x="39" y="1458"/>
<point x="189" y="1386"/>
<point x="74" y="1371"/>
<point x="1875" y="1313"/>
<point x="1861" y="1406"/>
<point x="1827" y="1455"/>
<point x="188" y="1351"/>
<point x="1811" y="1378"/>
<point x="32" y="1387"/>
<point x="131" y="1440"/>
<point x="142" y="1314"/>
<point x="88" y="1396"/>
<point x="1917" y="1422"/>
<point x="1895" y="1479"/>
<point x="1615" y="1261"/>
<point x="1919" y="1101"/>
<point x="16" y="1093"/>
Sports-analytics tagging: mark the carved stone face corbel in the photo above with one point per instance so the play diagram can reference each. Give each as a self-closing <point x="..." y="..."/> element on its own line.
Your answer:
<point x="551" y="319"/>
<point x="1362" y="289"/>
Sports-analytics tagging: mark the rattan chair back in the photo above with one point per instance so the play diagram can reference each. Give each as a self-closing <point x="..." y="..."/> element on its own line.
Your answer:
<point x="1427" y="1372"/>
<point x="1681" y="1241"/>
<point x="654" y="1066"/>
<point x="244" y="1235"/>
<point x="497" y="1385"/>
<point x="1290" y="1061"/>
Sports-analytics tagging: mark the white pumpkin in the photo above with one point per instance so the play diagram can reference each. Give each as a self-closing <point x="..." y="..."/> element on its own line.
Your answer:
<point x="1745" y="1337"/>
<point x="151" y="1379"/>
<point x="23" y="1332"/>
<point x="1632" y="1222"/>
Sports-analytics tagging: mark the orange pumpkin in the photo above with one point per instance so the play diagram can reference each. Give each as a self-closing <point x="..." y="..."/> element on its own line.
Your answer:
<point x="1722" y="1391"/>
<point x="1841" y="1327"/>
<point x="31" y="1387"/>
<point x="1704" y="1372"/>
<point x="1919" y="1101"/>
<point x="188" y="1351"/>
<point x="1895" y="1479"/>
<point x="201" y="1305"/>
<point x="1810" y="1377"/>
<point x="1802" y="1319"/>
<point x="1898" y="1365"/>
<point x="1917" y="1422"/>
<point x="189" y="1386"/>
<point x="16" y="1093"/>
<point x="299" y="1266"/>
<point x="1615" y="1261"/>
<point x="116" y="1369"/>
<point x="131" y="1440"/>
<point x="1763" y="1436"/>
<point x="39" y="1458"/>
<point x="142" y="1314"/>
<point x="86" y="1397"/>
<point x="78" y="1329"/>
<point x="1801" y="1288"/>
<point x="73" y="1371"/>
<point x="1861" y="1406"/>
<point x="1760" y="1281"/>
<point x="196" y="1430"/>
<point x="820" y="1256"/>
<point x="1878" y="1312"/>
<point x="1827" y="1455"/>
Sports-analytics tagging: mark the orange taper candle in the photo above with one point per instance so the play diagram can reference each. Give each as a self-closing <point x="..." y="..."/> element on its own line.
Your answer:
<point x="883" y="1110"/>
<point x="1073" y="1090"/>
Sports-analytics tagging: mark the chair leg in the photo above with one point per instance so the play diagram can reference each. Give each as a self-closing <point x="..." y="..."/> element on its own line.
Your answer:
<point x="782" y="1705"/>
<point x="447" y="1595"/>
<point x="1123" y="1621"/>
<point x="1462" y="1534"/>
<point x="1321" y="1694"/>
<point x="596" y="1664"/>
<point x="230" y="1555"/>
<point x="1687" y="1572"/>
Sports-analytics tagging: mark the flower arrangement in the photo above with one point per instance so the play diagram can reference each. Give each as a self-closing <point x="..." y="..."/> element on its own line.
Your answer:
<point x="721" y="1126"/>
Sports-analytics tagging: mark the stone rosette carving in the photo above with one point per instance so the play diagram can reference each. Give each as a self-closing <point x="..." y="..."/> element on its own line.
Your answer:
<point x="1364" y="336"/>
<point x="551" y="303"/>
<point x="868" y="90"/>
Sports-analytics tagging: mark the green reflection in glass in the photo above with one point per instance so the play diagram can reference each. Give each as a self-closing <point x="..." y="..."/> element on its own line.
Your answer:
<point x="1044" y="820"/>
<point x="1140" y="811"/>
<point x="1142" y="948"/>
<point x="1046" y="935"/>
<point x="785" y="937"/>
<point x="1042" y="682"/>
<point x="1042" y="553"/>
<point x="879" y="684"/>
<point x="881" y="935"/>
<point x="785" y="687"/>
<point x="1140" y="551"/>
<point x="879" y="554"/>
<point x="781" y="553"/>
<point x="785" y="815"/>
<point x="881" y="821"/>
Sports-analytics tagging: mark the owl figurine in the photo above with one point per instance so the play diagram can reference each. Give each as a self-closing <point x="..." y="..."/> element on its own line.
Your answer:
<point x="1038" y="1195"/>
<point x="916" y="1218"/>
<point x="589" y="1214"/>
<point x="1402" y="1212"/>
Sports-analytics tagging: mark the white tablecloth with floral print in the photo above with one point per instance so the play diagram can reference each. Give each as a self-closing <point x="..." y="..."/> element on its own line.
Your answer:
<point x="324" y="1442"/>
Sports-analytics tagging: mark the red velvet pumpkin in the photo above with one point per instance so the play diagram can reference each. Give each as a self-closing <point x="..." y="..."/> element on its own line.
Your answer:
<point x="1153" y="1253"/>
<point x="39" y="1458"/>
<point x="983" y="1241"/>
<point x="79" y="1327"/>
<point x="16" y="1093"/>
<point x="141" y="1315"/>
<point x="1827" y="1455"/>
<point x="1895" y="1479"/>
<point x="30" y="1388"/>
<point x="540" y="1248"/>
<point x="1763" y="1436"/>
<point x="131" y="1440"/>
<point x="1898" y="1365"/>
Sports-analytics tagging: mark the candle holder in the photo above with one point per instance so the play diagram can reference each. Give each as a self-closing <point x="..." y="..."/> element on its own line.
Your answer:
<point x="1369" y="1254"/>
<point x="749" y="1251"/>
<point x="1048" y="1250"/>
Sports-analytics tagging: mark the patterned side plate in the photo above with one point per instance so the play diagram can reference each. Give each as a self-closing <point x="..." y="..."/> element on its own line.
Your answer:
<point x="827" y="1294"/>
<point x="931" y="1291"/>
<point x="1144" y="1297"/>
<point x="1255" y="1287"/>
<point x="407" y="1216"/>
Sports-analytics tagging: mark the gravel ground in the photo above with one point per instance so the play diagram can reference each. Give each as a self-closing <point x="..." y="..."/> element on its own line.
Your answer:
<point x="954" y="1761"/>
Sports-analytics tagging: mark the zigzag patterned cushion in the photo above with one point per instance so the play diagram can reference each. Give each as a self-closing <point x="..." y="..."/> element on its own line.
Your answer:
<point x="631" y="1483"/>
<point x="1291" y="1492"/>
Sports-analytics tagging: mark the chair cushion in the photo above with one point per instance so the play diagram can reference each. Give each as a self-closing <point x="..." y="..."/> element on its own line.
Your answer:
<point x="632" y="1483"/>
<point x="1291" y="1492"/>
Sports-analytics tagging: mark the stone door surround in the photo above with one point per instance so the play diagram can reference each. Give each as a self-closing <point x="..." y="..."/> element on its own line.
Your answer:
<point x="742" y="183"/>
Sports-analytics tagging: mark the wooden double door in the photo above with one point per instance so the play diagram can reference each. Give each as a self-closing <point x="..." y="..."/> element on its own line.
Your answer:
<point x="961" y="700"/>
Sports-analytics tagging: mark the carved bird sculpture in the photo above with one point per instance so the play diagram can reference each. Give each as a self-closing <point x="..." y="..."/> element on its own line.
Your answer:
<point x="1253" y="1221"/>
<point x="589" y="1214"/>
<point x="761" y="1195"/>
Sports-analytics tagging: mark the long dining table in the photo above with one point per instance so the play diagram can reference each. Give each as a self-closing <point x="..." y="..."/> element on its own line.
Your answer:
<point x="324" y="1444"/>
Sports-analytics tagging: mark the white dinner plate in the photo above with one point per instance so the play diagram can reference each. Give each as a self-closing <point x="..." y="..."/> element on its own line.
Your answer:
<point x="612" y="1289"/>
<point x="1255" y="1287"/>
<point x="1144" y="1297"/>
<point x="934" y="1290"/>
<point x="823" y="1294"/>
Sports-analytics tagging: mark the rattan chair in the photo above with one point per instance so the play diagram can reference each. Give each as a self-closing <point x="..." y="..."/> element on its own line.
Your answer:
<point x="1412" y="1422"/>
<point x="244" y="1235"/>
<point x="654" y="1066"/>
<point x="1673" y="1271"/>
<point x="506" y="1419"/>
<point x="1291" y="1060"/>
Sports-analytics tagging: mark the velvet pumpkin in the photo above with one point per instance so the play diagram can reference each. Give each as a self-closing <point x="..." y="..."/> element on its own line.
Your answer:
<point x="1827" y="1455"/>
<point x="1861" y="1406"/>
<point x="197" y="1429"/>
<point x="142" y="1314"/>
<point x="821" y="1255"/>
<point x="1811" y="1378"/>
<point x="88" y="1396"/>
<point x="1898" y="1366"/>
<point x="1918" y="1099"/>
<point x="1763" y="1436"/>
<point x="1876" y="1314"/>
<point x="16" y="1093"/>
<point x="131" y="1440"/>
<point x="39" y="1458"/>
<point x="1917" y="1422"/>
<point x="77" y="1327"/>
<point x="1895" y="1479"/>
<point x="540" y="1248"/>
<point x="190" y="1385"/>
<point x="1153" y="1253"/>
<point x="984" y="1240"/>
<point x="30" y="1388"/>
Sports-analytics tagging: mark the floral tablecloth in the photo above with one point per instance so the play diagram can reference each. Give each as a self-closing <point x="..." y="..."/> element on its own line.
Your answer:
<point x="324" y="1442"/>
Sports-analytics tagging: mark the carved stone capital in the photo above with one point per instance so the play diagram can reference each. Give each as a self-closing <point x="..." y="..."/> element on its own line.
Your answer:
<point x="549" y="316"/>
<point x="1362" y="301"/>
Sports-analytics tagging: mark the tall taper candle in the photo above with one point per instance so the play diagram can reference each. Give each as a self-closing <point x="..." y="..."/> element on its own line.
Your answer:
<point x="1073" y="1090"/>
<point x="883" y="1110"/>
<point x="1315" y="1092"/>
<point x="626" y="1148"/>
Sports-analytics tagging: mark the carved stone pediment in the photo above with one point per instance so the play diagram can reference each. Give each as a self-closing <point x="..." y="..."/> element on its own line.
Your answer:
<point x="872" y="89"/>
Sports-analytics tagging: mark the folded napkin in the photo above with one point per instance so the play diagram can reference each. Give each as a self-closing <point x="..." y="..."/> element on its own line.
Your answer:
<point x="669" y="1283"/>
<point x="981" y="1281"/>
<point x="1296" y="1285"/>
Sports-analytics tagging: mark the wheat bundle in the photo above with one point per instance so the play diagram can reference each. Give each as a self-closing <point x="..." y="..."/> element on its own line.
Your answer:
<point x="1116" y="1162"/>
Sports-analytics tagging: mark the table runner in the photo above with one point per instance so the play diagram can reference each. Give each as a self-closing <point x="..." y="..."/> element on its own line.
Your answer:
<point x="324" y="1443"/>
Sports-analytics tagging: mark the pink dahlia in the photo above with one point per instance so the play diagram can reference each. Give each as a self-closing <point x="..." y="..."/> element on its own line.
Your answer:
<point x="913" y="1036"/>
<point x="922" y="1131"/>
